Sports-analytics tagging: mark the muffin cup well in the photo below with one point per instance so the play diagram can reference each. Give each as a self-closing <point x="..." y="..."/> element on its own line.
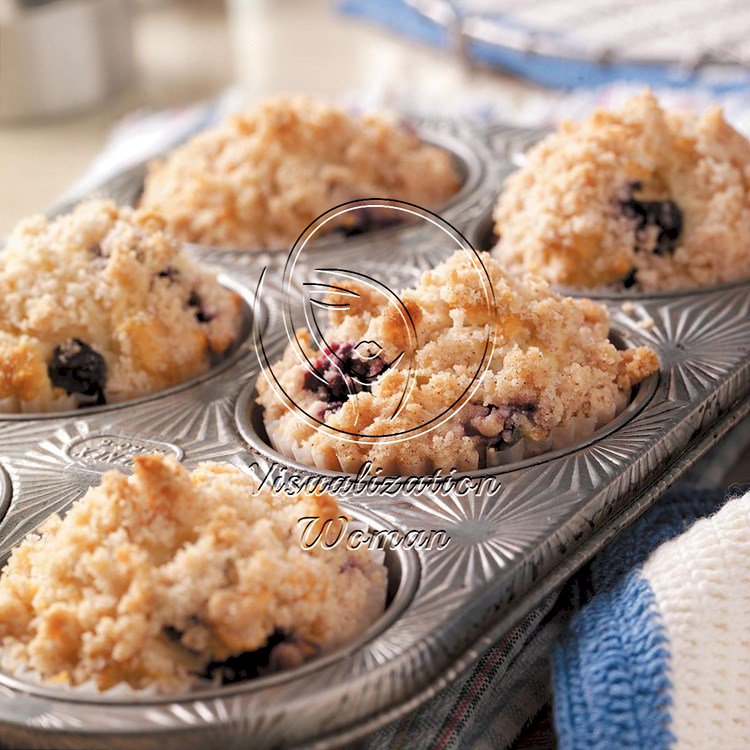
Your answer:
<point x="217" y="364"/>
<point x="403" y="572"/>
<point x="268" y="439"/>
<point x="468" y="157"/>
<point x="483" y="238"/>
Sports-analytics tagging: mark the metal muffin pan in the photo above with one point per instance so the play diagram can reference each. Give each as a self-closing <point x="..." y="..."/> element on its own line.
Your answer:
<point x="508" y="550"/>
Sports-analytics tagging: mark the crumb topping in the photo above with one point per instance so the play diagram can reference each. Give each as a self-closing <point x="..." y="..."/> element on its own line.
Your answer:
<point x="102" y="305"/>
<point x="640" y="198"/>
<point x="155" y="578"/>
<point x="552" y="364"/>
<point x="259" y="178"/>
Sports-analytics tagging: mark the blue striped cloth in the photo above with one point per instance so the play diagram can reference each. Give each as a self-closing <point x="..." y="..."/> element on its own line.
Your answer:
<point x="611" y="671"/>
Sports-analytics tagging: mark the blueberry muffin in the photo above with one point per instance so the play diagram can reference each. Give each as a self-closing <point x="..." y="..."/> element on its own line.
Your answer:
<point x="552" y="377"/>
<point x="100" y="306"/>
<point x="260" y="178"/>
<point x="170" y="577"/>
<point x="638" y="199"/>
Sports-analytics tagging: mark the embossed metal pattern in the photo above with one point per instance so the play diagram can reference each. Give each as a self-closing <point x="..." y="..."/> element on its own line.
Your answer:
<point x="508" y="548"/>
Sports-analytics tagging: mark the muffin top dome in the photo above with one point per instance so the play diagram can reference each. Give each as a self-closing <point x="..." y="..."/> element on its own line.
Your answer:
<point x="158" y="578"/>
<point x="517" y="368"/>
<point x="102" y="305"/>
<point x="636" y="198"/>
<point x="259" y="178"/>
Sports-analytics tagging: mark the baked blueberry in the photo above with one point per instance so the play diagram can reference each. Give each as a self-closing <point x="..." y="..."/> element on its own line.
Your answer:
<point x="631" y="279"/>
<point x="513" y="415"/>
<point x="77" y="368"/>
<point x="500" y="426"/>
<point x="201" y="315"/>
<point x="637" y="187"/>
<point x="245" y="666"/>
<point x="366" y="220"/>
<point x="340" y="373"/>
<point x="665" y="215"/>
<point x="171" y="273"/>
<point x="362" y="223"/>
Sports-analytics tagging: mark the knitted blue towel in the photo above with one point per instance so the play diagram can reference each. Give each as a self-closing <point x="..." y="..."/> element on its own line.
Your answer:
<point x="660" y="657"/>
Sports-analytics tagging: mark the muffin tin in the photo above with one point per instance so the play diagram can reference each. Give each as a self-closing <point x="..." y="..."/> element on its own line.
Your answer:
<point x="510" y="546"/>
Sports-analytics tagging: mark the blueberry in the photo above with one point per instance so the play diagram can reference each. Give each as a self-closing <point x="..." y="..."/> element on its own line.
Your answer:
<point x="511" y="415"/>
<point x="244" y="666"/>
<point x="630" y="280"/>
<point x="202" y="316"/>
<point x="511" y="429"/>
<point x="665" y="215"/>
<point x="363" y="223"/>
<point x="77" y="368"/>
<point x="351" y="374"/>
<point x="174" y="635"/>
<point x="170" y="273"/>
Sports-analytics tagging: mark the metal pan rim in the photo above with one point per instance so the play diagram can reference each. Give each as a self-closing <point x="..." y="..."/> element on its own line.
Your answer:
<point x="6" y="492"/>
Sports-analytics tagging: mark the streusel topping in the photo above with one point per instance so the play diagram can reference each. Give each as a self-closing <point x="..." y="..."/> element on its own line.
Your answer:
<point x="552" y="364"/>
<point x="101" y="305"/>
<point x="258" y="179"/>
<point x="640" y="198"/>
<point x="156" y="578"/>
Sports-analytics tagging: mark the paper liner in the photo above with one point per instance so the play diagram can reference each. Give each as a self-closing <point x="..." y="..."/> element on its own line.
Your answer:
<point x="15" y="405"/>
<point x="280" y="442"/>
<point x="372" y="612"/>
<point x="20" y="670"/>
<point x="564" y="436"/>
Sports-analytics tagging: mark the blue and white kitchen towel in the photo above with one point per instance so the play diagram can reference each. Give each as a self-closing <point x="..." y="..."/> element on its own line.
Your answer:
<point x="660" y="657"/>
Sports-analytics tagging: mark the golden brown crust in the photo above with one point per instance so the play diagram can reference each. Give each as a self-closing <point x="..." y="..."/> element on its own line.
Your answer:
<point x="148" y="578"/>
<point x="552" y="365"/>
<point x="116" y="281"/>
<point x="258" y="179"/>
<point x="561" y="214"/>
